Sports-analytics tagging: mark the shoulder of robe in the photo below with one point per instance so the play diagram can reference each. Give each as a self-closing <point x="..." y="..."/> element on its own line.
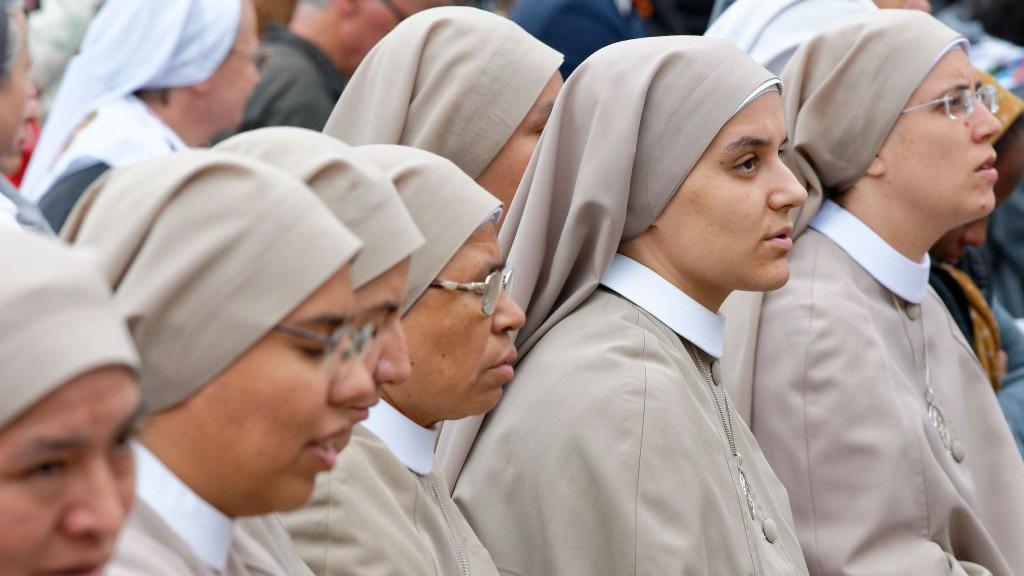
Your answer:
<point x="934" y="307"/>
<point x="148" y="546"/>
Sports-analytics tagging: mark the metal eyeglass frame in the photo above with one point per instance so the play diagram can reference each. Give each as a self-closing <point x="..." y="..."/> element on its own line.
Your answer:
<point x="360" y="338"/>
<point x="491" y="288"/>
<point x="968" y="97"/>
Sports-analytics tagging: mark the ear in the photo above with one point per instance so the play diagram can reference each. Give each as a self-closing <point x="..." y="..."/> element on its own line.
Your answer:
<point x="877" y="169"/>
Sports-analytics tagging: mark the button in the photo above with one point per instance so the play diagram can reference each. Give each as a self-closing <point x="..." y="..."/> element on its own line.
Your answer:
<point x="912" y="310"/>
<point x="959" y="451"/>
<point x="771" y="531"/>
<point x="716" y="371"/>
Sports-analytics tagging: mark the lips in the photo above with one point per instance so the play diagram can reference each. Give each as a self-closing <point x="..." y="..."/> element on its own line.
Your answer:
<point x="987" y="168"/>
<point x="504" y="367"/>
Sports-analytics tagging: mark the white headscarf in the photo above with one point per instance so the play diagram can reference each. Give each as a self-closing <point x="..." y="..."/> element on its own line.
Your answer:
<point x="770" y="31"/>
<point x="133" y="45"/>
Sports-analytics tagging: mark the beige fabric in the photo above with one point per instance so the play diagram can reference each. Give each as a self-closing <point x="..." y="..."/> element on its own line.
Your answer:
<point x="446" y="204"/>
<point x="271" y="534"/>
<point x="148" y="546"/>
<point x="372" y="516"/>
<point x="845" y="89"/>
<point x="604" y="170"/>
<point x="358" y="193"/>
<point x="206" y="252"/>
<point x="840" y="411"/>
<point x="58" y="321"/>
<point x="456" y="81"/>
<point x="607" y="457"/>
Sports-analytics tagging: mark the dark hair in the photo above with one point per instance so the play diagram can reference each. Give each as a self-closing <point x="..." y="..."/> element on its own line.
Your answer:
<point x="1001" y="18"/>
<point x="1015" y="131"/>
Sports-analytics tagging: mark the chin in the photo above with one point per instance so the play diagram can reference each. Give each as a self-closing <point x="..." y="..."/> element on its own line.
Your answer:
<point x="286" y="494"/>
<point x="772" y="277"/>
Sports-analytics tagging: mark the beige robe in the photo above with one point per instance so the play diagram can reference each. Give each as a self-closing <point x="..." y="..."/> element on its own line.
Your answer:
<point x="607" y="456"/>
<point x="839" y="409"/>
<point x="271" y="534"/>
<point x="147" y="546"/>
<point x="372" y="516"/>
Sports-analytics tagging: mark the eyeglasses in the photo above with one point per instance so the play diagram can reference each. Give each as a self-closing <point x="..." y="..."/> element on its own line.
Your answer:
<point x="959" y="102"/>
<point x="397" y="12"/>
<point x="258" y="58"/>
<point x="343" y="348"/>
<point x="491" y="288"/>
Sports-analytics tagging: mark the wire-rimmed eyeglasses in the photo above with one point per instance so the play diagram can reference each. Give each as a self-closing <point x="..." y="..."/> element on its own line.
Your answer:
<point x="959" y="102"/>
<point x="491" y="288"/>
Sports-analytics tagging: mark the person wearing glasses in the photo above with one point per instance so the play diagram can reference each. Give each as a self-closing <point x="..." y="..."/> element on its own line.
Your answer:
<point x="150" y="78"/>
<point x="235" y="281"/>
<point x="68" y="414"/>
<point x="311" y="59"/>
<point x="616" y="449"/>
<point x="385" y="508"/>
<point x="363" y="198"/>
<point x="868" y="402"/>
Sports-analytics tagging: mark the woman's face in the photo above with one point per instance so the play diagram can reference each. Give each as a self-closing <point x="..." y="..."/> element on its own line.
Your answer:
<point x="252" y="440"/>
<point x="16" y="88"/>
<point x="461" y="358"/>
<point x="939" y="171"/>
<point x="67" y="476"/>
<point x="380" y="301"/>
<point x="502" y="176"/>
<point x="727" y="227"/>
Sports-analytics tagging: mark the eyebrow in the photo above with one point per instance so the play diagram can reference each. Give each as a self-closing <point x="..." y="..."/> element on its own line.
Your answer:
<point x="959" y="86"/>
<point x="748" y="142"/>
<point x="58" y="444"/>
<point x="387" y="306"/>
<point x="329" y="320"/>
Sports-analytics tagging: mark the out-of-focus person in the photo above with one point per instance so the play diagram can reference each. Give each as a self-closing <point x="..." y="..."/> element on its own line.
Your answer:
<point x="151" y="78"/>
<point x="68" y="412"/>
<point x="15" y="89"/>
<point x="578" y="28"/>
<point x="721" y="6"/>
<point x="273" y="12"/>
<point x="56" y="31"/>
<point x="310" y="60"/>
<point x="686" y="17"/>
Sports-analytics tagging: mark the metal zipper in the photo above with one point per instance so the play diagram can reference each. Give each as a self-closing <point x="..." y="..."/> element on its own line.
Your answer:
<point x="725" y="414"/>
<point x="459" y="554"/>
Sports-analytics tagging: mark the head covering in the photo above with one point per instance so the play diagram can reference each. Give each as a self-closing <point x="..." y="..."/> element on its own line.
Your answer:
<point x="771" y="30"/>
<point x="356" y="190"/>
<point x="846" y="88"/>
<point x="133" y="45"/>
<point x="447" y="205"/>
<point x="59" y="321"/>
<point x="206" y="252"/>
<point x="456" y="81"/>
<point x="1010" y="105"/>
<point x="606" y="167"/>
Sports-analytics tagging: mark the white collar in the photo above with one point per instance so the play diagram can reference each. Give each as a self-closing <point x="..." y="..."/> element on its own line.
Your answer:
<point x="411" y="443"/>
<point x="902" y="276"/>
<point x="673" y="307"/>
<point x="206" y="530"/>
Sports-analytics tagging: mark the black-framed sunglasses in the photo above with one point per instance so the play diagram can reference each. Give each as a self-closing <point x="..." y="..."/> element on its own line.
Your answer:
<point x="491" y="288"/>
<point x="343" y="348"/>
<point x="959" y="102"/>
<point x="398" y="13"/>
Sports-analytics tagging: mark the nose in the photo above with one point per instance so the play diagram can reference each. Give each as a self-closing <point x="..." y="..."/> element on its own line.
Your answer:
<point x="393" y="366"/>
<point x="354" y="389"/>
<point x="508" y="316"/>
<point x="985" y="124"/>
<point x="975" y="232"/>
<point x="103" y="501"/>
<point x="788" y="193"/>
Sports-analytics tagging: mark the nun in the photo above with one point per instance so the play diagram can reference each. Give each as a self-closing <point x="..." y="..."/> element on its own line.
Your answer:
<point x="616" y="449"/>
<point x="150" y="78"/>
<point x="235" y="281"/>
<point x="868" y="402"/>
<point x="460" y="82"/>
<point x="385" y="509"/>
<point x="363" y="198"/>
<point x="67" y="379"/>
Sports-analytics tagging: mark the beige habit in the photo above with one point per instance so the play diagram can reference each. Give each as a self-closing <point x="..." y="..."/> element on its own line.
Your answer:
<point x="455" y="81"/>
<point x="58" y="321"/>
<point x="383" y="509"/>
<point x="867" y="401"/>
<point x="363" y="198"/>
<point x="614" y="449"/>
<point x="205" y="252"/>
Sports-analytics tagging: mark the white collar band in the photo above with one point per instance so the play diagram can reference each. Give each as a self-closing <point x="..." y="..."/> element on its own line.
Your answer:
<point x="411" y="443"/>
<point x="206" y="530"/>
<point x="902" y="276"/>
<point x="673" y="307"/>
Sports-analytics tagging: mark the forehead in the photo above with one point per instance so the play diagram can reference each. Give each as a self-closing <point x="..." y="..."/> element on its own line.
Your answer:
<point x="763" y="118"/>
<point x="479" y="251"/>
<point x="953" y="69"/>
